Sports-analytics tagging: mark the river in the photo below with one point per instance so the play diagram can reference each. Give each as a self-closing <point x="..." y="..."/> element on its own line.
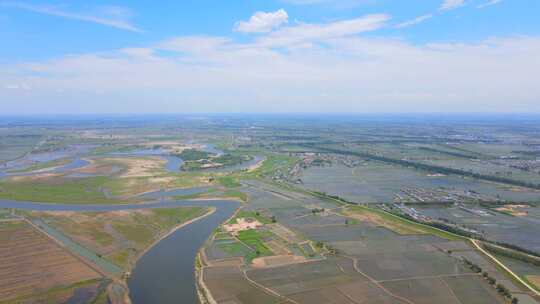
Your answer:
<point x="165" y="274"/>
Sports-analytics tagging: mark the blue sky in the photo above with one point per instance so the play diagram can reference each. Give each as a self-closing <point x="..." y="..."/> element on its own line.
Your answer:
<point x="269" y="56"/>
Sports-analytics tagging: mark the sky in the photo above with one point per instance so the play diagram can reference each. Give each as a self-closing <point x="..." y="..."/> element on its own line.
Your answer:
<point x="278" y="56"/>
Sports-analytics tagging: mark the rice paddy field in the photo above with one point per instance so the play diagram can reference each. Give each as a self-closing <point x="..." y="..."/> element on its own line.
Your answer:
<point x="375" y="182"/>
<point x="487" y="167"/>
<point x="374" y="259"/>
<point x="36" y="269"/>
<point x="300" y="245"/>
<point x="526" y="270"/>
<point x="518" y="230"/>
<point x="14" y="143"/>
<point x="228" y="285"/>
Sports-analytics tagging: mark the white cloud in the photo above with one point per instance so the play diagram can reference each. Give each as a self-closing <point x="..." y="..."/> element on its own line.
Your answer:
<point x="451" y="4"/>
<point x="414" y="21"/>
<point x="112" y="16"/>
<point x="489" y="3"/>
<point x="304" y="32"/>
<point x="262" y="22"/>
<point x="139" y="53"/>
<point x="18" y="86"/>
<point x="327" y="67"/>
<point x="193" y="44"/>
<point x="340" y="4"/>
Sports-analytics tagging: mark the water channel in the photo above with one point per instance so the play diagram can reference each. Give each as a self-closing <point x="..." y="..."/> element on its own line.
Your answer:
<point x="165" y="274"/>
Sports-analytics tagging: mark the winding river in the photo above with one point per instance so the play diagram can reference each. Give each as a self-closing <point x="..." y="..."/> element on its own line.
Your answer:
<point x="165" y="274"/>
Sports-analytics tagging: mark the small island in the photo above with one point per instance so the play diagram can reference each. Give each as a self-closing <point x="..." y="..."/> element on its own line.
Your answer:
<point x="198" y="160"/>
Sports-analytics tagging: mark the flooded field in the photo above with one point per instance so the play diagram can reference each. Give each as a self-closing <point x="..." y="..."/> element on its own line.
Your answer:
<point x="154" y="207"/>
<point x="518" y="230"/>
<point x="376" y="182"/>
<point x="373" y="262"/>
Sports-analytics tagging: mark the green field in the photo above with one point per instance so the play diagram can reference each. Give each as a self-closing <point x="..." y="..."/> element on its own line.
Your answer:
<point x="57" y="190"/>
<point x="254" y="239"/>
<point x="250" y="214"/>
<point x="228" y="181"/>
<point x="272" y="163"/>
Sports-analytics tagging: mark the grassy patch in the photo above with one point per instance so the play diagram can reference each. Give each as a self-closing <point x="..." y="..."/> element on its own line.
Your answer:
<point x="213" y="161"/>
<point x="119" y="235"/>
<point x="230" y="159"/>
<point x="168" y="217"/>
<point x="234" y="249"/>
<point x="222" y="236"/>
<point x="5" y="214"/>
<point x="57" y="190"/>
<point x="136" y="233"/>
<point x="119" y="257"/>
<point x="250" y="214"/>
<point x="271" y="164"/>
<point x="236" y="194"/>
<point x="534" y="281"/>
<point x="255" y="240"/>
<point x="397" y="224"/>
<point x="42" y="165"/>
<point x="193" y="155"/>
<point x="189" y="179"/>
<point x="228" y="181"/>
<point x="112" y="148"/>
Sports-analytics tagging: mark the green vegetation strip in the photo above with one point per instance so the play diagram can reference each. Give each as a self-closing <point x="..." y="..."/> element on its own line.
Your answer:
<point x="193" y="155"/>
<point x="422" y="227"/>
<point x="42" y="165"/>
<point x="228" y="181"/>
<point x="236" y="194"/>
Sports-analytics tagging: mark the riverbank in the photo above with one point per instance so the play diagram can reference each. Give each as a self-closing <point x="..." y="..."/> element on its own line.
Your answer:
<point x="173" y="230"/>
<point x="203" y="292"/>
<point x="174" y="253"/>
<point x="165" y="273"/>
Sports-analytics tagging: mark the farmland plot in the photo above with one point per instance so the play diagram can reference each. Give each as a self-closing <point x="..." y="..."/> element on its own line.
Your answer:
<point x="31" y="264"/>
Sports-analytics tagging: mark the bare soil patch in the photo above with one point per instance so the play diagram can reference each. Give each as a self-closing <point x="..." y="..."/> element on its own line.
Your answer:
<point x="31" y="263"/>
<point x="277" y="260"/>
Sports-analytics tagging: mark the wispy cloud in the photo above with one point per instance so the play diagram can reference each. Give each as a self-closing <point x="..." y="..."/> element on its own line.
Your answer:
<point x="351" y="74"/>
<point x="17" y="86"/>
<point x="262" y="22"/>
<point x="414" y="21"/>
<point x="340" y="4"/>
<point x="321" y="67"/>
<point x="306" y="32"/>
<point x="109" y="16"/>
<point x="489" y="3"/>
<point x="451" y="4"/>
